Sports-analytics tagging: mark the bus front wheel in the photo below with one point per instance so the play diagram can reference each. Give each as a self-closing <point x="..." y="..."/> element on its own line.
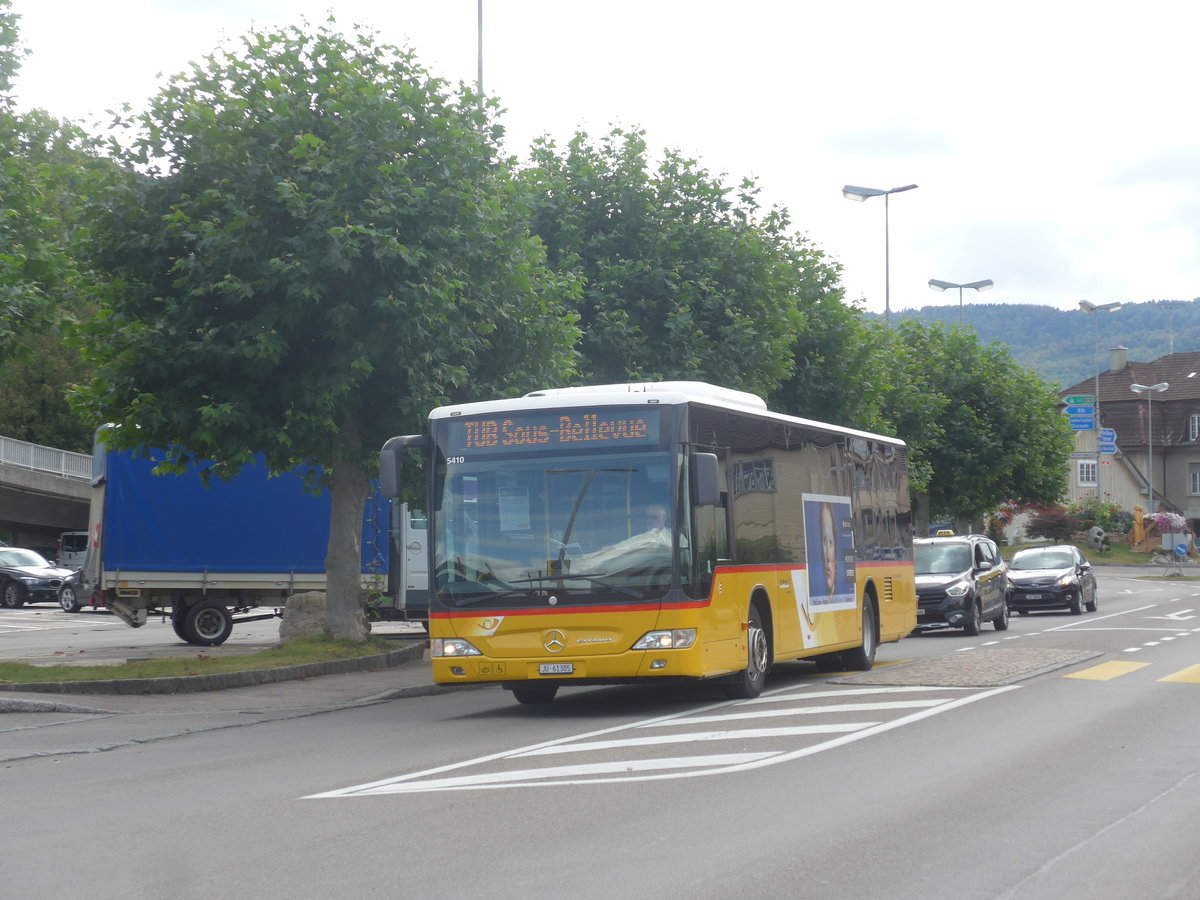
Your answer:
<point x="534" y="693"/>
<point x="749" y="682"/>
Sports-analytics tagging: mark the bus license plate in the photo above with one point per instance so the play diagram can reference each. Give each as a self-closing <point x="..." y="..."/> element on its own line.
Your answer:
<point x="556" y="668"/>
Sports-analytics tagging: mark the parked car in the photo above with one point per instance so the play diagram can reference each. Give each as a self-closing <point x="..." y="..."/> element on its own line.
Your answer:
<point x="962" y="582"/>
<point x="72" y="596"/>
<point x="1054" y="577"/>
<point x="26" y="577"/>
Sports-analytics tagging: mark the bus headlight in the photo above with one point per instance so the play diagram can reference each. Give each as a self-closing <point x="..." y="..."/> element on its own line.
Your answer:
<point x="678" y="639"/>
<point x="452" y="647"/>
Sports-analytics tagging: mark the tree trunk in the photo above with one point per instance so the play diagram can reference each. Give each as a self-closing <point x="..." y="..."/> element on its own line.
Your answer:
<point x="921" y="516"/>
<point x="344" y="615"/>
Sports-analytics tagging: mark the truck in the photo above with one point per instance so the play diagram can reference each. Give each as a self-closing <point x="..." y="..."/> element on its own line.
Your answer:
<point x="208" y="552"/>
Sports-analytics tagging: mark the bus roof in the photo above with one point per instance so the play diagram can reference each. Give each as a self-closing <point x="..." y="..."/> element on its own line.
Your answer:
<point x="663" y="392"/>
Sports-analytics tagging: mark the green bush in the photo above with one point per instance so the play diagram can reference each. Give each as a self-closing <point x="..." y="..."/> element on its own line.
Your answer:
<point x="1091" y="511"/>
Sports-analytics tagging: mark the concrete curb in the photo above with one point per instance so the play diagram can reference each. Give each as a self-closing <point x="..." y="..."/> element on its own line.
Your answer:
<point x="222" y="680"/>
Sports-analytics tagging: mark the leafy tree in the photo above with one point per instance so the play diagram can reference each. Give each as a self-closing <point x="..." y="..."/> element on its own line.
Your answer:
<point x="315" y="243"/>
<point x="685" y="278"/>
<point x="981" y="429"/>
<point x="837" y="370"/>
<point x="47" y="169"/>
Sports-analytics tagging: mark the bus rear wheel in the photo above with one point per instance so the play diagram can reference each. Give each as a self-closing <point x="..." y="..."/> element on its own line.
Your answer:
<point x="749" y="682"/>
<point x="862" y="658"/>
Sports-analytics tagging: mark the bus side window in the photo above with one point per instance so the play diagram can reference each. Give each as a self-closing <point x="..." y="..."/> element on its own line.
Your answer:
<point x="710" y="544"/>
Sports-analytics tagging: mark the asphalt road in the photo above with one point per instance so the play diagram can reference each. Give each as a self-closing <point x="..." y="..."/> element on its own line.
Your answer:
<point x="42" y="634"/>
<point x="1058" y="759"/>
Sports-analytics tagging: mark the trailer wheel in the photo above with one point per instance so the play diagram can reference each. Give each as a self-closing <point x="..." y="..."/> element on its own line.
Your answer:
<point x="207" y="624"/>
<point x="178" y="614"/>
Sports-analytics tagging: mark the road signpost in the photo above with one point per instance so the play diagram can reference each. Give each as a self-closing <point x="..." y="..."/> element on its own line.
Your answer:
<point x="1081" y="412"/>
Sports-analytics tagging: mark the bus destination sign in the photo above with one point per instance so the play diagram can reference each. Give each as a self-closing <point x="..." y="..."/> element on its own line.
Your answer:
<point x="575" y="429"/>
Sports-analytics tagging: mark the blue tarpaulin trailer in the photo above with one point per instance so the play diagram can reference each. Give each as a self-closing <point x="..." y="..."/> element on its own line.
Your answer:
<point x="204" y="550"/>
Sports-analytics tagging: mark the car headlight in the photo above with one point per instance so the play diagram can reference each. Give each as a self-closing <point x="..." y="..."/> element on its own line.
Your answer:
<point x="958" y="589"/>
<point x="31" y="581"/>
<point x="1065" y="581"/>
<point x="452" y="647"/>
<point x="676" y="639"/>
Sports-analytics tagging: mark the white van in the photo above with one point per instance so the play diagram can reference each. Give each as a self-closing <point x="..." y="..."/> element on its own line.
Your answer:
<point x="72" y="545"/>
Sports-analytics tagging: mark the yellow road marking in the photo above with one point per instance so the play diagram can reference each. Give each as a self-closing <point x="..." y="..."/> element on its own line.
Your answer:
<point x="1190" y="675"/>
<point x="1107" y="671"/>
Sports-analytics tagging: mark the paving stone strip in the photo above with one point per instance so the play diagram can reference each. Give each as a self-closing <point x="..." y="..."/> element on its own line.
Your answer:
<point x="985" y="667"/>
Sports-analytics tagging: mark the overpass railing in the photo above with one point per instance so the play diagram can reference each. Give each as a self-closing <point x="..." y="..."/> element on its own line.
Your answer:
<point x="46" y="459"/>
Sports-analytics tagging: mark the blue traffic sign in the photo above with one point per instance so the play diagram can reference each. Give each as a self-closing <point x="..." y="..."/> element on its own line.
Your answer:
<point x="1081" y="410"/>
<point x="1108" y="435"/>
<point x="1082" y="423"/>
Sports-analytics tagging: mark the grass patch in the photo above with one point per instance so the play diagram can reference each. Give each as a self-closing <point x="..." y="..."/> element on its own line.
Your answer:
<point x="206" y="661"/>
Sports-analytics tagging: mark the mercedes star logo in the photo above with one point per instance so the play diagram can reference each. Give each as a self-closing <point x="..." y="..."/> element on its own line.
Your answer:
<point x="554" y="641"/>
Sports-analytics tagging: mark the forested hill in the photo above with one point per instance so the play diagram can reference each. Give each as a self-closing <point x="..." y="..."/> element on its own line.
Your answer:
<point x="1060" y="344"/>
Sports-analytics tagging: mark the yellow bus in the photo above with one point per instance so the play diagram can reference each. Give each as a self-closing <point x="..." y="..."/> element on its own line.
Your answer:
<point x="641" y="532"/>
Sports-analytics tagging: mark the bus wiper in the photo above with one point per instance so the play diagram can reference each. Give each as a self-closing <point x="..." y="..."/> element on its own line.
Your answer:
<point x="498" y="595"/>
<point x="598" y="578"/>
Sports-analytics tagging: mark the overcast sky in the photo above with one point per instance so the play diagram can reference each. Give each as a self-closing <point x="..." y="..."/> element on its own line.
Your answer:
<point x="1056" y="144"/>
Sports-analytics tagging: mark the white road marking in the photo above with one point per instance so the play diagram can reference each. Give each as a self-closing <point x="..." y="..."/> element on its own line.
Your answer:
<point x="650" y="769"/>
<point x="806" y="711"/>
<point x="739" y="734"/>
<point x="789" y="694"/>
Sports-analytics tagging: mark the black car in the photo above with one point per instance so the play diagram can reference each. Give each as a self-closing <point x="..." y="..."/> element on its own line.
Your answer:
<point x="1054" y="577"/>
<point x="26" y="577"/>
<point x="961" y="583"/>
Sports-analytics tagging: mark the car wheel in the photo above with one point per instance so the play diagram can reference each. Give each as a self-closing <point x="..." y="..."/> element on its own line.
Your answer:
<point x="534" y="693"/>
<point x="1076" y="605"/>
<point x="1093" y="603"/>
<point x="68" y="599"/>
<point x="749" y="682"/>
<point x="1001" y="621"/>
<point x="207" y="624"/>
<point x="974" y="620"/>
<point x="13" y="595"/>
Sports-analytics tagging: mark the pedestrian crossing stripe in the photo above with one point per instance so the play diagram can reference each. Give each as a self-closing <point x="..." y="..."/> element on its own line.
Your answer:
<point x="1189" y="675"/>
<point x="1107" y="671"/>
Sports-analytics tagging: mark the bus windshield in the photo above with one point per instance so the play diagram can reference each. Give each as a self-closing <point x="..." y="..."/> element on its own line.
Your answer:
<point x="580" y="525"/>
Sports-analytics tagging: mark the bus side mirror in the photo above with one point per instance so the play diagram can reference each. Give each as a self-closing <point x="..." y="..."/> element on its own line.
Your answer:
<point x="392" y="456"/>
<point x="706" y="481"/>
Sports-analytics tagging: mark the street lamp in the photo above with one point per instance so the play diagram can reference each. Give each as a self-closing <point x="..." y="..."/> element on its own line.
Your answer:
<point x="861" y="195"/>
<point x="1094" y="308"/>
<point x="986" y="285"/>
<point x="1154" y="389"/>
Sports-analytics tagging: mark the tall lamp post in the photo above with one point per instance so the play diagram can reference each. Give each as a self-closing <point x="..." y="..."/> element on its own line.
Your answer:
<point x="1153" y="389"/>
<point x="986" y="285"/>
<point x="479" y="51"/>
<point x="1091" y="308"/>
<point x="861" y="195"/>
